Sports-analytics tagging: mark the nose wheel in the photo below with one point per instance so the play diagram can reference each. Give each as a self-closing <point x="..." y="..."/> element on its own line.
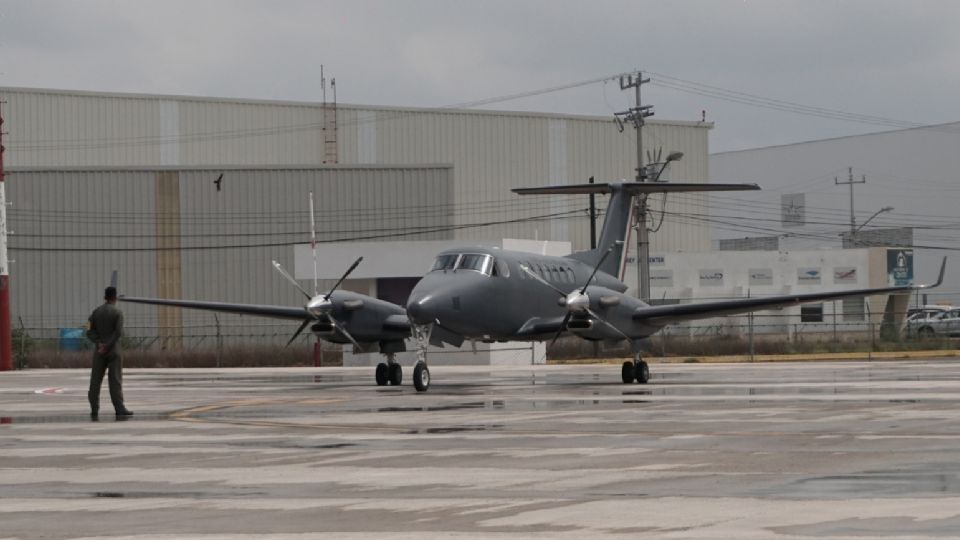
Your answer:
<point x="421" y="377"/>
<point x="637" y="370"/>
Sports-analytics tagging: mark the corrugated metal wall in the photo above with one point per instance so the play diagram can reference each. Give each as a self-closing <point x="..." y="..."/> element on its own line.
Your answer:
<point x="171" y="233"/>
<point x="491" y="151"/>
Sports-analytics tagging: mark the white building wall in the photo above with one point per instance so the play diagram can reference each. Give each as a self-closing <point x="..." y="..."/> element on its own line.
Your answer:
<point x="912" y="170"/>
<point x="707" y="276"/>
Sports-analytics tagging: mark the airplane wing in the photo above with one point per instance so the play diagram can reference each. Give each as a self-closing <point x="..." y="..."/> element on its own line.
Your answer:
<point x="397" y="322"/>
<point x="705" y="310"/>
<point x="539" y="326"/>
<point x="278" y="312"/>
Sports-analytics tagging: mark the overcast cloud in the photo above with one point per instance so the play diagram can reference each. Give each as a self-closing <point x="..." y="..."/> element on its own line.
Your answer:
<point x="884" y="58"/>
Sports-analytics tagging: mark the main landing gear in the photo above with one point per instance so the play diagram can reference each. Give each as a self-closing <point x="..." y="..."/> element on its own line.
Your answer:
<point x="389" y="373"/>
<point x="637" y="370"/>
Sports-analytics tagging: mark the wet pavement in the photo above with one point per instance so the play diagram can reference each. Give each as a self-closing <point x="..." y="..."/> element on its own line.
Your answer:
<point x="798" y="450"/>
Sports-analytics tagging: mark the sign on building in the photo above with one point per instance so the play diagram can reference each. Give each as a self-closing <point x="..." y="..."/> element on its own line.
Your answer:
<point x="793" y="210"/>
<point x="900" y="267"/>
<point x="845" y="274"/>
<point x="808" y="276"/>
<point x="761" y="276"/>
<point x="711" y="277"/>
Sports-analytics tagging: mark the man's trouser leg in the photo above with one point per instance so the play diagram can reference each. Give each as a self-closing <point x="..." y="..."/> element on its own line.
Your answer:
<point x="115" y="379"/>
<point x="97" y="370"/>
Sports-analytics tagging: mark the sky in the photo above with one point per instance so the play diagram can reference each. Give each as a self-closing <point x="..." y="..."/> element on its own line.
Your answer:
<point x="892" y="61"/>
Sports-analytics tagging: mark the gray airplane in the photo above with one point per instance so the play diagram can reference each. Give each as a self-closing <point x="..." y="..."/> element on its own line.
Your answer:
<point x="489" y="294"/>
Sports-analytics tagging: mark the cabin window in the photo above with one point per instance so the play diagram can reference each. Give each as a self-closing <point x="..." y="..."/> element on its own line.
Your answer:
<point x="500" y="268"/>
<point x="445" y="262"/>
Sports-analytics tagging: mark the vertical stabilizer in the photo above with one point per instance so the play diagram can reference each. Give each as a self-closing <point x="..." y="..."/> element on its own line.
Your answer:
<point x="615" y="223"/>
<point x="617" y="218"/>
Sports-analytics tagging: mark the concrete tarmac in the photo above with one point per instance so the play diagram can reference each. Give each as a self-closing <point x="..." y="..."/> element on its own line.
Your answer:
<point x="800" y="450"/>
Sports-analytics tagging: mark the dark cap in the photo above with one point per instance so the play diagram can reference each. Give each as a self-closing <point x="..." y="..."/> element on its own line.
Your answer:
<point x="110" y="293"/>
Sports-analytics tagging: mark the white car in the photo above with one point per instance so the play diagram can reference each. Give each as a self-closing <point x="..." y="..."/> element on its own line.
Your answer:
<point x="930" y="321"/>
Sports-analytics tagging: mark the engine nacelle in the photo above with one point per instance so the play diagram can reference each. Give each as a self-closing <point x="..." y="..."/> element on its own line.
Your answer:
<point x="580" y="325"/>
<point x="323" y="328"/>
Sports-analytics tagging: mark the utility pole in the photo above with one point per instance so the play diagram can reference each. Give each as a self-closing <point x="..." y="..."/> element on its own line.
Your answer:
<point x="593" y="219"/>
<point x="636" y="116"/>
<point x="6" y="338"/>
<point x="853" y="220"/>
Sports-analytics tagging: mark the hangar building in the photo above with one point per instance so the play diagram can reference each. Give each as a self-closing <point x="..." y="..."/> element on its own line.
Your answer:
<point x="137" y="172"/>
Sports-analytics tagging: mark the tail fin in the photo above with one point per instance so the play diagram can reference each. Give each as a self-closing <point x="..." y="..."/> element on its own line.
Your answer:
<point x="618" y="211"/>
<point x="113" y="279"/>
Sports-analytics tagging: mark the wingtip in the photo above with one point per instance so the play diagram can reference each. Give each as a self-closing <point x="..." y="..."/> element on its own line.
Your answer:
<point x="943" y="271"/>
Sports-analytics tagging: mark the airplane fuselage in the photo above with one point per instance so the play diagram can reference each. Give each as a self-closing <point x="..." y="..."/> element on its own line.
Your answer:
<point x="485" y="294"/>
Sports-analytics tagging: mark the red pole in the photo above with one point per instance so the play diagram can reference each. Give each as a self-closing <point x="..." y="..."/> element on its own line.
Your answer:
<point x="6" y="339"/>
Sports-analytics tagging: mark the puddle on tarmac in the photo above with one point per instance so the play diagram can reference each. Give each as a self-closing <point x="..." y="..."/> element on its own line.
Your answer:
<point x="171" y="494"/>
<point x="454" y="429"/>
<point x="942" y="479"/>
<point x="81" y="418"/>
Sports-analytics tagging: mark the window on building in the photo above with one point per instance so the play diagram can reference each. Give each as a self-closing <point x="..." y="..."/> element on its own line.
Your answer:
<point x="811" y="313"/>
<point x="853" y="309"/>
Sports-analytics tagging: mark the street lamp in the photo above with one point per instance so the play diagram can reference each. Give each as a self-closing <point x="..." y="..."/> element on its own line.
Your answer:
<point x="853" y="233"/>
<point x="673" y="156"/>
<point x="643" y="235"/>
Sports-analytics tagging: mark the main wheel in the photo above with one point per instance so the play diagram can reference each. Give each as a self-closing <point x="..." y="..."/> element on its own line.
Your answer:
<point x="642" y="372"/>
<point x="396" y="374"/>
<point x="382" y="374"/>
<point x="421" y="377"/>
<point x="626" y="372"/>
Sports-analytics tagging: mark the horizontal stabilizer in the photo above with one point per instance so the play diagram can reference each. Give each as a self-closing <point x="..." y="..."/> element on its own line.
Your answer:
<point x="633" y="188"/>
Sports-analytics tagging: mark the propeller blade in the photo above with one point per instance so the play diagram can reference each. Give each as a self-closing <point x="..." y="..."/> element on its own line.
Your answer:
<point x="297" y="333"/>
<point x="599" y="263"/>
<point x="290" y="279"/>
<point x="347" y="273"/>
<point x="604" y="321"/>
<point x="563" y="326"/>
<point x="541" y="280"/>
<point x="344" y="332"/>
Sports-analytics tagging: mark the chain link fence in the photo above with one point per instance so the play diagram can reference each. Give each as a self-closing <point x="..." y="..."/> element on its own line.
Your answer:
<point x="213" y="345"/>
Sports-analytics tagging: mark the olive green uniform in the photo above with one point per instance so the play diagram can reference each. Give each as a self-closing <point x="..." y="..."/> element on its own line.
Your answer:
<point x="106" y="327"/>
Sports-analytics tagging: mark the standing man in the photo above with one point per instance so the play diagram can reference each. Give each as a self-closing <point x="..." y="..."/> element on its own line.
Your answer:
<point x="106" y="327"/>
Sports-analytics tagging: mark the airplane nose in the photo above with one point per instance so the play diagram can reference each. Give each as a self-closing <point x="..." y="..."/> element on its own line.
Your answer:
<point x="421" y="310"/>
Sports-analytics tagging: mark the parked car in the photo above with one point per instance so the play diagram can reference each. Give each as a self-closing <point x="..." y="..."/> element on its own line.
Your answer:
<point x="930" y="321"/>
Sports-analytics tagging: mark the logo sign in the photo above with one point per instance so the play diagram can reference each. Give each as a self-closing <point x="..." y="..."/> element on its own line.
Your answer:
<point x="761" y="276"/>
<point x="808" y="276"/>
<point x="657" y="260"/>
<point x="661" y="278"/>
<point x="845" y="274"/>
<point x="711" y="277"/>
<point x="793" y="211"/>
<point x="900" y="267"/>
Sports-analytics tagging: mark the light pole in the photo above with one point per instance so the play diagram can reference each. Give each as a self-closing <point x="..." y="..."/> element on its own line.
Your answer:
<point x="853" y="233"/>
<point x="643" y="236"/>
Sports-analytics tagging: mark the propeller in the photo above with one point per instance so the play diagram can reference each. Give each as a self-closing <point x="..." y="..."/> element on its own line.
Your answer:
<point x="577" y="301"/>
<point x="317" y="306"/>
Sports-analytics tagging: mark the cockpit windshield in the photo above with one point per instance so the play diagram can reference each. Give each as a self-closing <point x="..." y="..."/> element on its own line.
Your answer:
<point x="445" y="262"/>
<point x="477" y="262"/>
